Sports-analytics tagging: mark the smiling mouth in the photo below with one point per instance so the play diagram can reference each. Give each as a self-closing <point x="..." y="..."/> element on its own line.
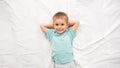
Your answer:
<point x="59" y="30"/>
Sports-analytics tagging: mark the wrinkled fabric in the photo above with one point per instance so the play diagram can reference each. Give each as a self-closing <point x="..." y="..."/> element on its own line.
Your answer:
<point x="23" y="44"/>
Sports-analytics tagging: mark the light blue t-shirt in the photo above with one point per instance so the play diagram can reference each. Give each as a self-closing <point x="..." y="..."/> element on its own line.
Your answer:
<point x="61" y="45"/>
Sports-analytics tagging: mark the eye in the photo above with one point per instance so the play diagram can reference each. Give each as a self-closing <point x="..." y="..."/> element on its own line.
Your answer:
<point x="56" y="24"/>
<point x="62" y="24"/>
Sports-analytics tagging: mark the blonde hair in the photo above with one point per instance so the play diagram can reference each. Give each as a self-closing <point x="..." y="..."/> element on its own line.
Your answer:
<point x="60" y="15"/>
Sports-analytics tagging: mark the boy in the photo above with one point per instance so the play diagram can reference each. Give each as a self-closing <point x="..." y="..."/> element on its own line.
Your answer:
<point x="60" y="35"/>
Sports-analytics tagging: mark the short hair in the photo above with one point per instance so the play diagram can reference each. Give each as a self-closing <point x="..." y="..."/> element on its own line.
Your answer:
<point x="60" y="15"/>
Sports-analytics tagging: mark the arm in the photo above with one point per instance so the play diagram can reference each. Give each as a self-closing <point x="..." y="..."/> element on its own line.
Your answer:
<point x="44" y="27"/>
<point x="74" y="25"/>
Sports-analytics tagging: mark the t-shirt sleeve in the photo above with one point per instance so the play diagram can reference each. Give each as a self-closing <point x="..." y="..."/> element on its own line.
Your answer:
<point x="49" y="34"/>
<point x="72" y="33"/>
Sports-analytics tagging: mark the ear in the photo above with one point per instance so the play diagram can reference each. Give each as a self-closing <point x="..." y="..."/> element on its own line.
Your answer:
<point x="68" y="25"/>
<point x="53" y="25"/>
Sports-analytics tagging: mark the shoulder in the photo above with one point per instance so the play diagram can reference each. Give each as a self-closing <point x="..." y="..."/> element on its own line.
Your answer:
<point x="49" y="31"/>
<point x="71" y="32"/>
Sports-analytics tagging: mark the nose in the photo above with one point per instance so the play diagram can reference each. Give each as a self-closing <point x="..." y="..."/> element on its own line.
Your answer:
<point x="59" y="26"/>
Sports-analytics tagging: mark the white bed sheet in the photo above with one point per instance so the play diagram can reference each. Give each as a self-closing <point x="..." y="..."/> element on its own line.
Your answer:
<point x="23" y="45"/>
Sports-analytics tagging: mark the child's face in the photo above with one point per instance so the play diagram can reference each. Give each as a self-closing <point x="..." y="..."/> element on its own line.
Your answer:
<point x="60" y="25"/>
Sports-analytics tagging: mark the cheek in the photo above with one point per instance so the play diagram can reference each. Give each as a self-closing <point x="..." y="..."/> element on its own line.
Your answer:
<point x="65" y="26"/>
<point x="55" y="27"/>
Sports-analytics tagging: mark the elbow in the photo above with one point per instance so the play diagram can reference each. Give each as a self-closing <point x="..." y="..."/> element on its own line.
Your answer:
<point x="41" y="25"/>
<point x="77" y="23"/>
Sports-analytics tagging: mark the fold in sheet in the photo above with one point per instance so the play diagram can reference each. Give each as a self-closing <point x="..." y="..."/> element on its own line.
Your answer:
<point x="23" y="44"/>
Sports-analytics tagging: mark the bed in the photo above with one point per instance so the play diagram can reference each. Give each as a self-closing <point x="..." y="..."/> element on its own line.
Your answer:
<point x="23" y="44"/>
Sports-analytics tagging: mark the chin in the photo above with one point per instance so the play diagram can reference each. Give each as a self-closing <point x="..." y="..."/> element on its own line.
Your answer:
<point x="61" y="32"/>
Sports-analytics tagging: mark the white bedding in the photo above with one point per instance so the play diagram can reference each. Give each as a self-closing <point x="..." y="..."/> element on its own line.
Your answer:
<point x="23" y="45"/>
